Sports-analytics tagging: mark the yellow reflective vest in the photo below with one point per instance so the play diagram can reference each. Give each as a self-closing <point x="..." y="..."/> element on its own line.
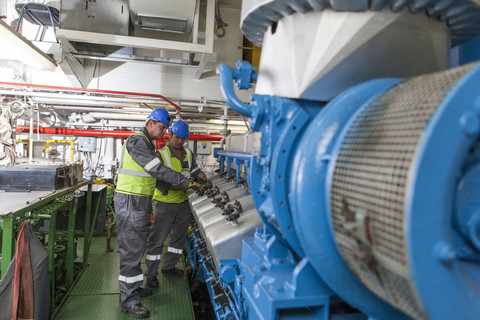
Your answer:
<point x="174" y="196"/>
<point x="133" y="178"/>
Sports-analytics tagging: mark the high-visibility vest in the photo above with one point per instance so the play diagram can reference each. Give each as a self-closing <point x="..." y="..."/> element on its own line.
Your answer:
<point x="174" y="196"/>
<point x="133" y="178"/>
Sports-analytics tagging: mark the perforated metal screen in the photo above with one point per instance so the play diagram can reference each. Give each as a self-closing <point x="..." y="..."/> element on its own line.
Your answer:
<point x="370" y="184"/>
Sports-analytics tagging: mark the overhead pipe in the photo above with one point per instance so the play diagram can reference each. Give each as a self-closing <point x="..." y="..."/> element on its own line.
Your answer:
<point x="60" y="99"/>
<point x="186" y="103"/>
<point x="115" y="116"/>
<point x="106" y="133"/>
<point x="99" y="126"/>
<point x="97" y="109"/>
<point x="76" y="99"/>
<point x="199" y="128"/>
<point x="75" y="132"/>
<point x="92" y="91"/>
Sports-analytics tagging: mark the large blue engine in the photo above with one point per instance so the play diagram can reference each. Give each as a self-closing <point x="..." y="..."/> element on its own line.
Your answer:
<point x="360" y="197"/>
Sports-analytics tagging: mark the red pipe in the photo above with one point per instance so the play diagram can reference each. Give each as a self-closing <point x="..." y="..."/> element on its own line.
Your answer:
<point x="92" y="90"/>
<point x="76" y="132"/>
<point x="105" y="133"/>
<point x="203" y="137"/>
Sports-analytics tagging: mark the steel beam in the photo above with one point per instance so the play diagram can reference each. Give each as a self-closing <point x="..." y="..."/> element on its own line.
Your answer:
<point x="135" y="42"/>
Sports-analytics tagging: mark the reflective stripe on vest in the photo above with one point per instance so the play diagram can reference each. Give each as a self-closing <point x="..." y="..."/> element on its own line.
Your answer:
<point x="166" y="158"/>
<point x="173" y="196"/>
<point x="133" y="178"/>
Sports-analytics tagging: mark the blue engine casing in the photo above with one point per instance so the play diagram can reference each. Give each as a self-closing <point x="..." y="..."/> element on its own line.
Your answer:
<point x="295" y="265"/>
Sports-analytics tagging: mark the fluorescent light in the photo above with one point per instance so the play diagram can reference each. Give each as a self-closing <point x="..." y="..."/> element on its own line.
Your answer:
<point x="16" y="47"/>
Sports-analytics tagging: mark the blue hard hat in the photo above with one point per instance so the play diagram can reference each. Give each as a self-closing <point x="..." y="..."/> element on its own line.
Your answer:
<point x="160" y="115"/>
<point x="180" y="129"/>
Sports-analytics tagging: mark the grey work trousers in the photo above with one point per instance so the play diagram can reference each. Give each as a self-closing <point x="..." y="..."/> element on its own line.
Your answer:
<point x="172" y="218"/>
<point x="132" y="214"/>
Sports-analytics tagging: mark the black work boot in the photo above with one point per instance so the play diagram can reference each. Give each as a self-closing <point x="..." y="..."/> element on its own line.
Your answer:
<point x="174" y="271"/>
<point x="152" y="282"/>
<point x="137" y="311"/>
<point x="145" y="292"/>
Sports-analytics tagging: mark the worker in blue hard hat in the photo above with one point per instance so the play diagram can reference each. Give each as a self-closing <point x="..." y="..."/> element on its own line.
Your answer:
<point x="139" y="169"/>
<point x="172" y="210"/>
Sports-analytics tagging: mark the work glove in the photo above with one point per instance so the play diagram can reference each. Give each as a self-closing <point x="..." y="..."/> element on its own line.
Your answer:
<point x="197" y="187"/>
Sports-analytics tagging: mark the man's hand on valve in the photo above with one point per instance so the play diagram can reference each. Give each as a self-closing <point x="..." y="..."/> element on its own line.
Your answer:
<point x="197" y="187"/>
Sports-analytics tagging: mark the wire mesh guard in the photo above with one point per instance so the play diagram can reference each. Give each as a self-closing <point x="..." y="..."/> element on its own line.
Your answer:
<point x="370" y="181"/>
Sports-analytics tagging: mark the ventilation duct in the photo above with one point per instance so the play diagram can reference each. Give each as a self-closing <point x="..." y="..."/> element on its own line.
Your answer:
<point x="163" y="15"/>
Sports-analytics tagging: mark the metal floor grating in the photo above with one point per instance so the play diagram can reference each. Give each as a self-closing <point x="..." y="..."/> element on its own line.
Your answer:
<point x="96" y="296"/>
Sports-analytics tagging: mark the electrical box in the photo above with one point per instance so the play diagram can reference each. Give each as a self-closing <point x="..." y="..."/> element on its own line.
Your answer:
<point x="204" y="147"/>
<point x="87" y="144"/>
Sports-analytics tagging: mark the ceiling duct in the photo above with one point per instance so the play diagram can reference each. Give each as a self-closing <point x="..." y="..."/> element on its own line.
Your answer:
<point x="95" y="16"/>
<point x="102" y="30"/>
<point x="163" y="15"/>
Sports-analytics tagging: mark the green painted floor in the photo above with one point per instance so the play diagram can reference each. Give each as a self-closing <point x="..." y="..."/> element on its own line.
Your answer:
<point x="96" y="296"/>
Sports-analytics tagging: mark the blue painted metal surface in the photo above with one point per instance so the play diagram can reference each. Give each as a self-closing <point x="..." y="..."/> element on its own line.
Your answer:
<point x="273" y="282"/>
<point x="284" y="123"/>
<point x="229" y="161"/>
<point x="309" y="197"/>
<point x="446" y="154"/>
<point x="469" y="51"/>
<point x="238" y="158"/>
<point x="281" y="127"/>
<point x="242" y="77"/>
<point x="468" y="207"/>
<point x="236" y="155"/>
<point x="222" y="165"/>
<point x="203" y="271"/>
<point x="290" y="181"/>
<point x="267" y="284"/>
<point x="281" y="122"/>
